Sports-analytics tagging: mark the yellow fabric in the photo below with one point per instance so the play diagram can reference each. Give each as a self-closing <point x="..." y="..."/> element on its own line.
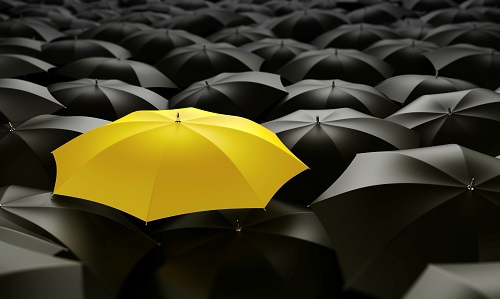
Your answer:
<point x="150" y="166"/>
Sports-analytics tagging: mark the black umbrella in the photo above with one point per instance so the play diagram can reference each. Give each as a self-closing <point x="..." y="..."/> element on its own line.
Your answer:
<point x="478" y="34"/>
<point x="327" y="141"/>
<point x="356" y="4"/>
<point x="355" y="36"/>
<point x="70" y="22"/>
<point x="16" y="65"/>
<point x="21" y="100"/>
<point x="281" y="8"/>
<point x="240" y="35"/>
<point x="345" y="64"/>
<point x="391" y="213"/>
<point x="468" y="118"/>
<point x="144" y="17"/>
<point x="161" y="7"/>
<point x="152" y="45"/>
<point x="105" y="99"/>
<point x="25" y="148"/>
<point x="478" y="65"/>
<point x="404" y="89"/>
<point x="481" y="3"/>
<point x="21" y="46"/>
<point x="105" y="242"/>
<point x="192" y="4"/>
<point x="129" y="71"/>
<point x="246" y="94"/>
<point x="457" y="281"/>
<point x="428" y="5"/>
<point x="330" y="94"/>
<point x="66" y="51"/>
<point x="239" y="7"/>
<point x="412" y="28"/>
<point x="305" y="25"/>
<point x="379" y="14"/>
<point x="98" y="15"/>
<point x="186" y="65"/>
<point x="205" y="21"/>
<point x="113" y="32"/>
<point x="29" y="28"/>
<point x="279" y="252"/>
<point x="34" y="10"/>
<point x="29" y="274"/>
<point x="454" y="15"/>
<point x="404" y="55"/>
<point x="276" y="52"/>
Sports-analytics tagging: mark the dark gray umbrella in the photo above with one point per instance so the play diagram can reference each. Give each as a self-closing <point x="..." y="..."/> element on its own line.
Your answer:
<point x="391" y="213"/>
<point x="66" y="51"/>
<point x="26" y="274"/>
<point x="479" y="34"/>
<point x="327" y="141"/>
<point x="457" y="281"/>
<point x="21" y="46"/>
<point x="481" y="3"/>
<point x="428" y="5"/>
<point x="345" y="64"/>
<point x="277" y="52"/>
<point x="406" y="88"/>
<point x="354" y="36"/>
<point x="28" y="28"/>
<point x="478" y="65"/>
<point x="281" y="8"/>
<point x="21" y="100"/>
<point x="129" y="71"/>
<point x="405" y="55"/>
<point x="152" y="45"/>
<point x="17" y="65"/>
<point x="98" y="14"/>
<point x="454" y="15"/>
<point x="113" y="31"/>
<point x="305" y="25"/>
<point x="470" y="118"/>
<point x="330" y="94"/>
<point x="145" y="17"/>
<point x="186" y="65"/>
<point x="107" y="244"/>
<point x="279" y="252"/>
<point x="204" y="22"/>
<point x="105" y="99"/>
<point x="412" y="28"/>
<point x="246" y="94"/>
<point x="25" y="148"/>
<point x="240" y="35"/>
<point x="381" y="13"/>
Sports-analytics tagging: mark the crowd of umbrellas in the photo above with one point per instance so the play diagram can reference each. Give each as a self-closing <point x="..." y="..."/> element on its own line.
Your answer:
<point x="195" y="149"/>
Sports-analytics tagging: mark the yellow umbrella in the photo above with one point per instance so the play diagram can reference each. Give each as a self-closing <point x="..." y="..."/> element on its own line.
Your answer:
<point x="161" y="163"/>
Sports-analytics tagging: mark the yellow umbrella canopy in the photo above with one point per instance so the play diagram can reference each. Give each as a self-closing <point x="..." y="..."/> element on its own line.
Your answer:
<point x="160" y="163"/>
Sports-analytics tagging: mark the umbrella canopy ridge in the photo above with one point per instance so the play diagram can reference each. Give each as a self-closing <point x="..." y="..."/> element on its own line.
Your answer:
<point x="178" y="148"/>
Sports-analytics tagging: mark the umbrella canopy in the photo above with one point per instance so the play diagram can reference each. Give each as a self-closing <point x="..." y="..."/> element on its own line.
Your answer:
<point x="101" y="238"/>
<point x="354" y="36"/>
<point x="276" y="52"/>
<point x="457" y="281"/>
<point x="428" y="5"/>
<point x="282" y="250"/>
<point x="478" y="65"/>
<point x="412" y="28"/>
<point x="329" y="94"/>
<point x="105" y="99"/>
<point x="481" y="3"/>
<point x="404" y="89"/>
<point x="327" y="141"/>
<point x="21" y="46"/>
<point x="145" y="17"/>
<point x="66" y="51"/>
<point x="454" y="15"/>
<point x="246" y="94"/>
<point x="17" y="65"/>
<point x="28" y="28"/>
<point x="28" y="274"/>
<point x="474" y="33"/>
<point x="381" y="13"/>
<point x="112" y="165"/>
<point x="391" y="213"/>
<point x="190" y="64"/>
<point x="468" y="118"/>
<point x="404" y="55"/>
<point x="98" y="14"/>
<point x="113" y="31"/>
<point x="345" y="64"/>
<point x="21" y="100"/>
<point x="305" y="25"/>
<point x="281" y="8"/>
<point x="129" y="71"/>
<point x="240" y="35"/>
<point x="26" y="147"/>
<point x="64" y="22"/>
<point x="152" y="45"/>
<point x="192" y="4"/>
<point x="204" y="22"/>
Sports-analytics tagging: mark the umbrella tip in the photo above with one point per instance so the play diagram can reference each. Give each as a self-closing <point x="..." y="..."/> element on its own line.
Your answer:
<point x="317" y="119"/>
<point x="238" y="227"/>
<point x="11" y="128"/>
<point x="96" y="82"/>
<point x="449" y="111"/>
<point x="282" y="43"/>
<point x="470" y="187"/>
<point x="333" y="83"/>
<point x="178" y="119"/>
<point x="206" y="83"/>
<point x="437" y="74"/>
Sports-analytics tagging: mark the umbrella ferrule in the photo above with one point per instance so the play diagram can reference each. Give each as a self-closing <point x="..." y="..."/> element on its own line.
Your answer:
<point x="449" y="111"/>
<point x="333" y="83"/>
<point x="177" y="119"/>
<point x="317" y="119"/>
<point x="238" y="227"/>
<point x="437" y="74"/>
<point x="96" y="82"/>
<point x="470" y="187"/>
<point x="11" y="128"/>
<point x="206" y="83"/>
